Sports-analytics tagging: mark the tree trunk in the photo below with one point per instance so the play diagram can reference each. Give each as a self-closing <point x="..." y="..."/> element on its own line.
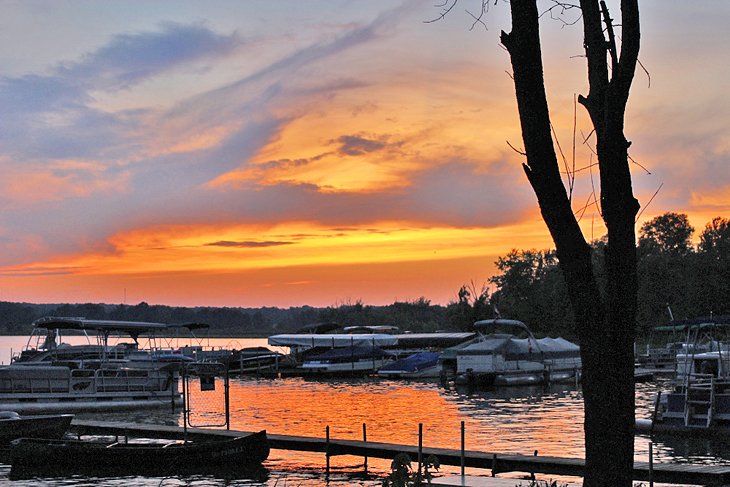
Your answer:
<point x="606" y="328"/>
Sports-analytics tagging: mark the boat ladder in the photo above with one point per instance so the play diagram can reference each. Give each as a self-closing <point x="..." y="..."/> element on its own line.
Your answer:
<point x="699" y="400"/>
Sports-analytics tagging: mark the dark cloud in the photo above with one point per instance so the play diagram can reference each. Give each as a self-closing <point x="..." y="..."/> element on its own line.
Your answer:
<point x="249" y="244"/>
<point x="354" y="145"/>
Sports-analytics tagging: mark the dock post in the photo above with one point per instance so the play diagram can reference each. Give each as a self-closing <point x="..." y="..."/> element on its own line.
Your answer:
<point x="327" y="451"/>
<point x="365" y="440"/>
<point x="494" y="464"/>
<point x="532" y="474"/>
<point x="651" y="464"/>
<point x="227" y="395"/>
<point x="463" y="454"/>
<point x="420" y="450"/>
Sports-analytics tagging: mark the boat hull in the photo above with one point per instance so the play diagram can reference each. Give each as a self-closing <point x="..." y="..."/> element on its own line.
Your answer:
<point x="45" y="426"/>
<point x="245" y="452"/>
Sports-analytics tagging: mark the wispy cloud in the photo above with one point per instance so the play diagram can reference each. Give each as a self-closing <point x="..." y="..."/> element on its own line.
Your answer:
<point x="247" y="244"/>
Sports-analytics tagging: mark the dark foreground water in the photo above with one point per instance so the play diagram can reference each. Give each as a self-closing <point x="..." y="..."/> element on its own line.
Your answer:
<point x="509" y="420"/>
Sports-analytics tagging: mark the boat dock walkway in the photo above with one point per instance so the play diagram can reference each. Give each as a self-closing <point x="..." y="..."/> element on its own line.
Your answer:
<point x="495" y="462"/>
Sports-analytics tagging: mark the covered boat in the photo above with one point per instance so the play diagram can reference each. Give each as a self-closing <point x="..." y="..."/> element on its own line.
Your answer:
<point x="507" y="353"/>
<point x="417" y="366"/>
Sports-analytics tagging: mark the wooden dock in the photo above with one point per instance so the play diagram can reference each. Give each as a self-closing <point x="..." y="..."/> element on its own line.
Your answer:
<point x="495" y="462"/>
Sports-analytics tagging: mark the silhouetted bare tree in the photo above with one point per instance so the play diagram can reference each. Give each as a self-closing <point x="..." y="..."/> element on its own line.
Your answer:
<point x="606" y="323"/>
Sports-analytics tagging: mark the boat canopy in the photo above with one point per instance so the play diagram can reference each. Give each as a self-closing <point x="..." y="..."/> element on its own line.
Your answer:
<point x="695" y="324"/>
<point x="132" y="328"/>
<point x="522" y="347"/>
<point x="486" y="325"/>
<point x="332" y="340"/>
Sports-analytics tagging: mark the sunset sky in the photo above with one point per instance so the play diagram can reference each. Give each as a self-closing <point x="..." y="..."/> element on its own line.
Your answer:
<point x="286" y="153"/>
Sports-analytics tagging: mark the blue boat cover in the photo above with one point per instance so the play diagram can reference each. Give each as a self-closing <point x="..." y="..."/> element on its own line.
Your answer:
<point x="413" y="363"/>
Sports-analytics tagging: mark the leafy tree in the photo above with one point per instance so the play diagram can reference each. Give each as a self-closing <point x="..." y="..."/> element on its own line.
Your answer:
<point x="605" y="323"/>
<point x="665" y="261"/>
<point x="472" y="305"/>
<point x="711" y="283"/>
<point x="715" y="239"/>
<point x="669" y="233"/>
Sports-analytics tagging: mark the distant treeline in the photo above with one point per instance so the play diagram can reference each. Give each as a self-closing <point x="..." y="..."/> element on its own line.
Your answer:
<point x="419" y="315"/>
<point x="691" y="280"/>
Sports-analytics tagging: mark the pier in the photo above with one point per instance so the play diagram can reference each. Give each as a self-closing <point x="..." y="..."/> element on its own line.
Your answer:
<point x="495" y="462"/>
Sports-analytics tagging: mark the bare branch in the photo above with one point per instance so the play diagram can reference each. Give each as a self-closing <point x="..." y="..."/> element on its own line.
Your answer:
<point x="446" y="9"/>
<point x="565" y="163"/>
<point x="645" y="169"/>
<point x="648" y="203"/>
<point x="522" y="153"/>
<point x="645" y="71"/>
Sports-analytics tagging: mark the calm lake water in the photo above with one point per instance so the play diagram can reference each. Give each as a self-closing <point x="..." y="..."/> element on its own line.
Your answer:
<point x="509" y="420"/>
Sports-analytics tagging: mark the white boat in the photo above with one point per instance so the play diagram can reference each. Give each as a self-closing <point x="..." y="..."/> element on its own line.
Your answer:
<point x="335" y="353"/>
<point x="507" y="353"/>
<point x="358" y="359"/>
<point x="700" y="394"/>
<point x="75" y="379"/>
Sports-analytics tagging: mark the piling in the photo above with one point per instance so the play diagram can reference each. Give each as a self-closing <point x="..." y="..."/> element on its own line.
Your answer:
<point x="327" y="450"/>
<point x="365" y="440"/>
<point x="463" y="445"/>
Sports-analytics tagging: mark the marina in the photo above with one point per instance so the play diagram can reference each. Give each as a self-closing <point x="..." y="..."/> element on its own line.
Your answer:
<point x="511" y="422"/>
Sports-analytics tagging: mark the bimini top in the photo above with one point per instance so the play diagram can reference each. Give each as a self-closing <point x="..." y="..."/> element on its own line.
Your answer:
<point x="709" y="322"/>
<point x="132" y="328"/>
<point x="486" y="324"/>
<point x="332" y="340"/>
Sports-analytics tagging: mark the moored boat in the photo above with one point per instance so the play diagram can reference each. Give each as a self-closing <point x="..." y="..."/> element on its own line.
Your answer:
<point x="13" y="426"/>
<point x="246" y="452"/>
<point x="700" y="393"/>
<point x="419" y="365"/>
<point x="359" y="359"/>
<point x="256" y="360"/>
<point x="91" y="379"/>
<point x="506" y="353"/>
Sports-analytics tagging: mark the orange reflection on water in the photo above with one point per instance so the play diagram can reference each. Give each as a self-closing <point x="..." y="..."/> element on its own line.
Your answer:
<point x="517" y="420"/>
<point x="390" y="410"/>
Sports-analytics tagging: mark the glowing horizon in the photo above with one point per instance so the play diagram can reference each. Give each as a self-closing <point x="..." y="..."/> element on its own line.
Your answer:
<point x="256" y="154"/>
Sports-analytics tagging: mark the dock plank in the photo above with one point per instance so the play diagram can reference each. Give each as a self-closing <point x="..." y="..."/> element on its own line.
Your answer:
<point x="662" y="472"/>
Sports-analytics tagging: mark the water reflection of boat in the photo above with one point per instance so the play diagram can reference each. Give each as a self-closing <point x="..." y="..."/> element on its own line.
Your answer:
<point x="500" y="357"/>
<point x="244" y="452"/>
<point x="13" y="426"/>
<point x="63" y="378"/>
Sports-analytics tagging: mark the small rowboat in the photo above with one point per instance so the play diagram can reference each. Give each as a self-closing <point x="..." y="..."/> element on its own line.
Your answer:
<point x="243" y="452"/>
<point x="13" y="425"/>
